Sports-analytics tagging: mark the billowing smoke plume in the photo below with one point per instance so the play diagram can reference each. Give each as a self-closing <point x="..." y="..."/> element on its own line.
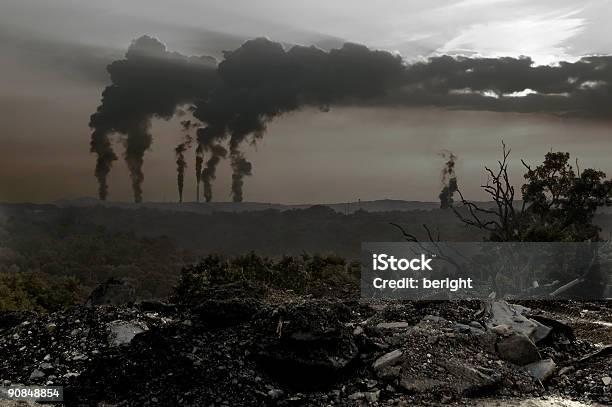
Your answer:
<point x="149" y="82"/>
<point x="449" y="180"/>
<point x="181" y="164"/>
<point x="261" y="80"/>
<point x="101" y="144"/>
<point x="217" y="153"/>
<point x="241" y="168"/>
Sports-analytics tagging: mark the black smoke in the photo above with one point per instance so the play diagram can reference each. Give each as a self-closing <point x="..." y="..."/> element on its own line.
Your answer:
<point x="449" y="180"/>
<point x="181" y="164"/>
<point x="262" y="80"/>
<point x="149" y="82"/>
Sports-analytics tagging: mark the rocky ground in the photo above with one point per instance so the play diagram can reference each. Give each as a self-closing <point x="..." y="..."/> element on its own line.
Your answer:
<point x="245" y="346"/>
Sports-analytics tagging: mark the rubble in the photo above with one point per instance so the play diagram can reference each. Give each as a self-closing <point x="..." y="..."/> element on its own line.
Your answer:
<point x="236" y="349"/>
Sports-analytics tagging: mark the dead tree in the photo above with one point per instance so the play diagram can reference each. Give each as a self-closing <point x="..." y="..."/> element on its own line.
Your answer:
<point x="502" y="221"/>
<point x="439" y="251"/>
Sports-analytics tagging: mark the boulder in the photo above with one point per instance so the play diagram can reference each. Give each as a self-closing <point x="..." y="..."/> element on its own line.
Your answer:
<point x="122" y="332"/>
<point x="383" y="363"/>
<point x="502" y="313"/>
<point x="517" y="348"/>
<point x="542" y="369"/>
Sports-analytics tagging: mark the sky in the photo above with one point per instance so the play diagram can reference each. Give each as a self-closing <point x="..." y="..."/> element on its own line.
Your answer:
<point x="53" y="56"/>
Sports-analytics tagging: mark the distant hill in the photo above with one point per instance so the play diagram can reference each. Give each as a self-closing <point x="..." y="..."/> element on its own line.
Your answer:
<point x="381" y="205"/>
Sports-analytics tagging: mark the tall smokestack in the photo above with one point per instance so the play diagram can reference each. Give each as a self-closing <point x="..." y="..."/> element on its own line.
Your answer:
<point x="449" y="180"/>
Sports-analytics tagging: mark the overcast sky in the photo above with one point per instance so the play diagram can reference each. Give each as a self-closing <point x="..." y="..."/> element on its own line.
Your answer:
<point x="53" y="55"/>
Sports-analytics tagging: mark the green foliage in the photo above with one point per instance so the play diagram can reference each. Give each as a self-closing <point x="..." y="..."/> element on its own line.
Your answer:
<point x="70" y="247"/>
<point x="560" y="203"/>
<point x="37" y="292"/>
<point x="301" y="274"/>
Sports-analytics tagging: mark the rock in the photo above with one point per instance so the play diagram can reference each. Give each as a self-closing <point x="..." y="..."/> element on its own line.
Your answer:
<point x="122" y="332"/>
<point x="476" y="324"/>
<point x="502" y="313"/>
<point x="358" y="331"/>
<point x="37" y="374"/>
<point x="387" y="360"/>
<point x="518" y="349"/>
<point x="419" y="384"/>
<point x="468" y="329"/>
<point x="357" y="396"/>
<point x="114" y="291"/>
<point x="275" y="394"/>
<point x="372" y="396"/>
<point x="393" y="325"/>
<point x="502" y="330"/>
<point x="558" y="327"/>
<point x="467" y="380"/>
<point x="542" y="369"/>
<point x="606" y="380"/>
<point x="566" y="370"/>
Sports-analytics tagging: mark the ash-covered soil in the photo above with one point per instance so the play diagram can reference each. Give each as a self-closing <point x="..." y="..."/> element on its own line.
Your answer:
<point x="242" y="346"/>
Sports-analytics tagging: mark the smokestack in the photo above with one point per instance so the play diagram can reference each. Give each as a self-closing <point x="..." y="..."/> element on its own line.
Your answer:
<point x="449" y="180"/>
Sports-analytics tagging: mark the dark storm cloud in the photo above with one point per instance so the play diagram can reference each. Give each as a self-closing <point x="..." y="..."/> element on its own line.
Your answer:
<point x="262" y="80"/>
<point x="581" y="89"/>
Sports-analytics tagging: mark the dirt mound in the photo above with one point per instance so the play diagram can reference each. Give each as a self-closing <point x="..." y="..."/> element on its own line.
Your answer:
<point x="237" y="349"/>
